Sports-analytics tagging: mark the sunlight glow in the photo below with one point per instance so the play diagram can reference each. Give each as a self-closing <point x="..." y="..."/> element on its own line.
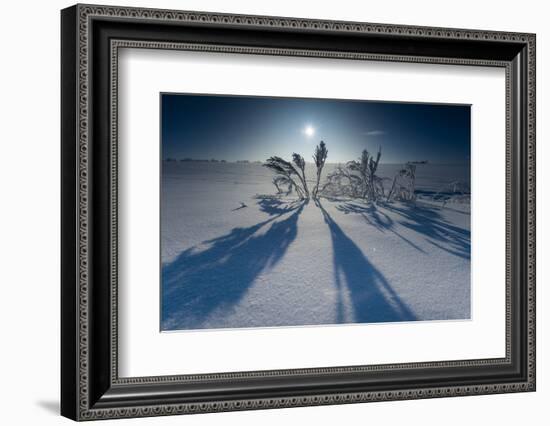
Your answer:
<point x="309" y="131"/>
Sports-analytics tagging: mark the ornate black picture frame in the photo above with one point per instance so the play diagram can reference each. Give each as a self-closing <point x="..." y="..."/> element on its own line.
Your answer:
<point x="91" y="387"/>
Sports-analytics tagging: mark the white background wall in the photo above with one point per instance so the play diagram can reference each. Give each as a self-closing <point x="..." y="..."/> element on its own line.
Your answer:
<point x="29" y="211"/>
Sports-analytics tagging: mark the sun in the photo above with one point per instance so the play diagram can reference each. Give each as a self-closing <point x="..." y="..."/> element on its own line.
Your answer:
<point x="309" y="131"/>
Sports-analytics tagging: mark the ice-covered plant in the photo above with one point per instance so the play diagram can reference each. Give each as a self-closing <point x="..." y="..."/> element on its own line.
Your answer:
<point x="286" y="170"/>
<point x="293" y="174"/>
<point x="456" y="191"/>
<point x="299" y="161"/>
<point x="279" y="182"/>
<point x="403" y="186"/>
<point x="365" y="168"/>
<point x="342" y="182"/>
<point x="319" y="157"/>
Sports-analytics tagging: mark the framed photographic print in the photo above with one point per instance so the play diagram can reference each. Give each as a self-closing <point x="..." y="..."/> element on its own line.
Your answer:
<point x="263" y="212"/>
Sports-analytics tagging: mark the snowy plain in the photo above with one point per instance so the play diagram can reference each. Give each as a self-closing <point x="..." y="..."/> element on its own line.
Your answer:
<point x="235" y="255"/>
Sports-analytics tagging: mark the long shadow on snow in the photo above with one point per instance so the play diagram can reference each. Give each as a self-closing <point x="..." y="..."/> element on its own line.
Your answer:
<point x="427" y="220"/>
<point x="372" y="297"/>
<point x="423" y="219"/>
<point x="377" y="218"/>
<point x="275" y="206"/>
<point x="201" y="281"/>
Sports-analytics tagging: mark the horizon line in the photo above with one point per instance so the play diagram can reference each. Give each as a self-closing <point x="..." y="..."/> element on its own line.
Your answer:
<point x="244" y="161"/>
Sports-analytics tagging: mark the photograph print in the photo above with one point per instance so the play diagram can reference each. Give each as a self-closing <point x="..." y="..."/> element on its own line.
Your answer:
<point x="279" y="212"/>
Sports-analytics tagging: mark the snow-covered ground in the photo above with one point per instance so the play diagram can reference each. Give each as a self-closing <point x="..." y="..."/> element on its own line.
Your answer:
<point x="233" y="255"/>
